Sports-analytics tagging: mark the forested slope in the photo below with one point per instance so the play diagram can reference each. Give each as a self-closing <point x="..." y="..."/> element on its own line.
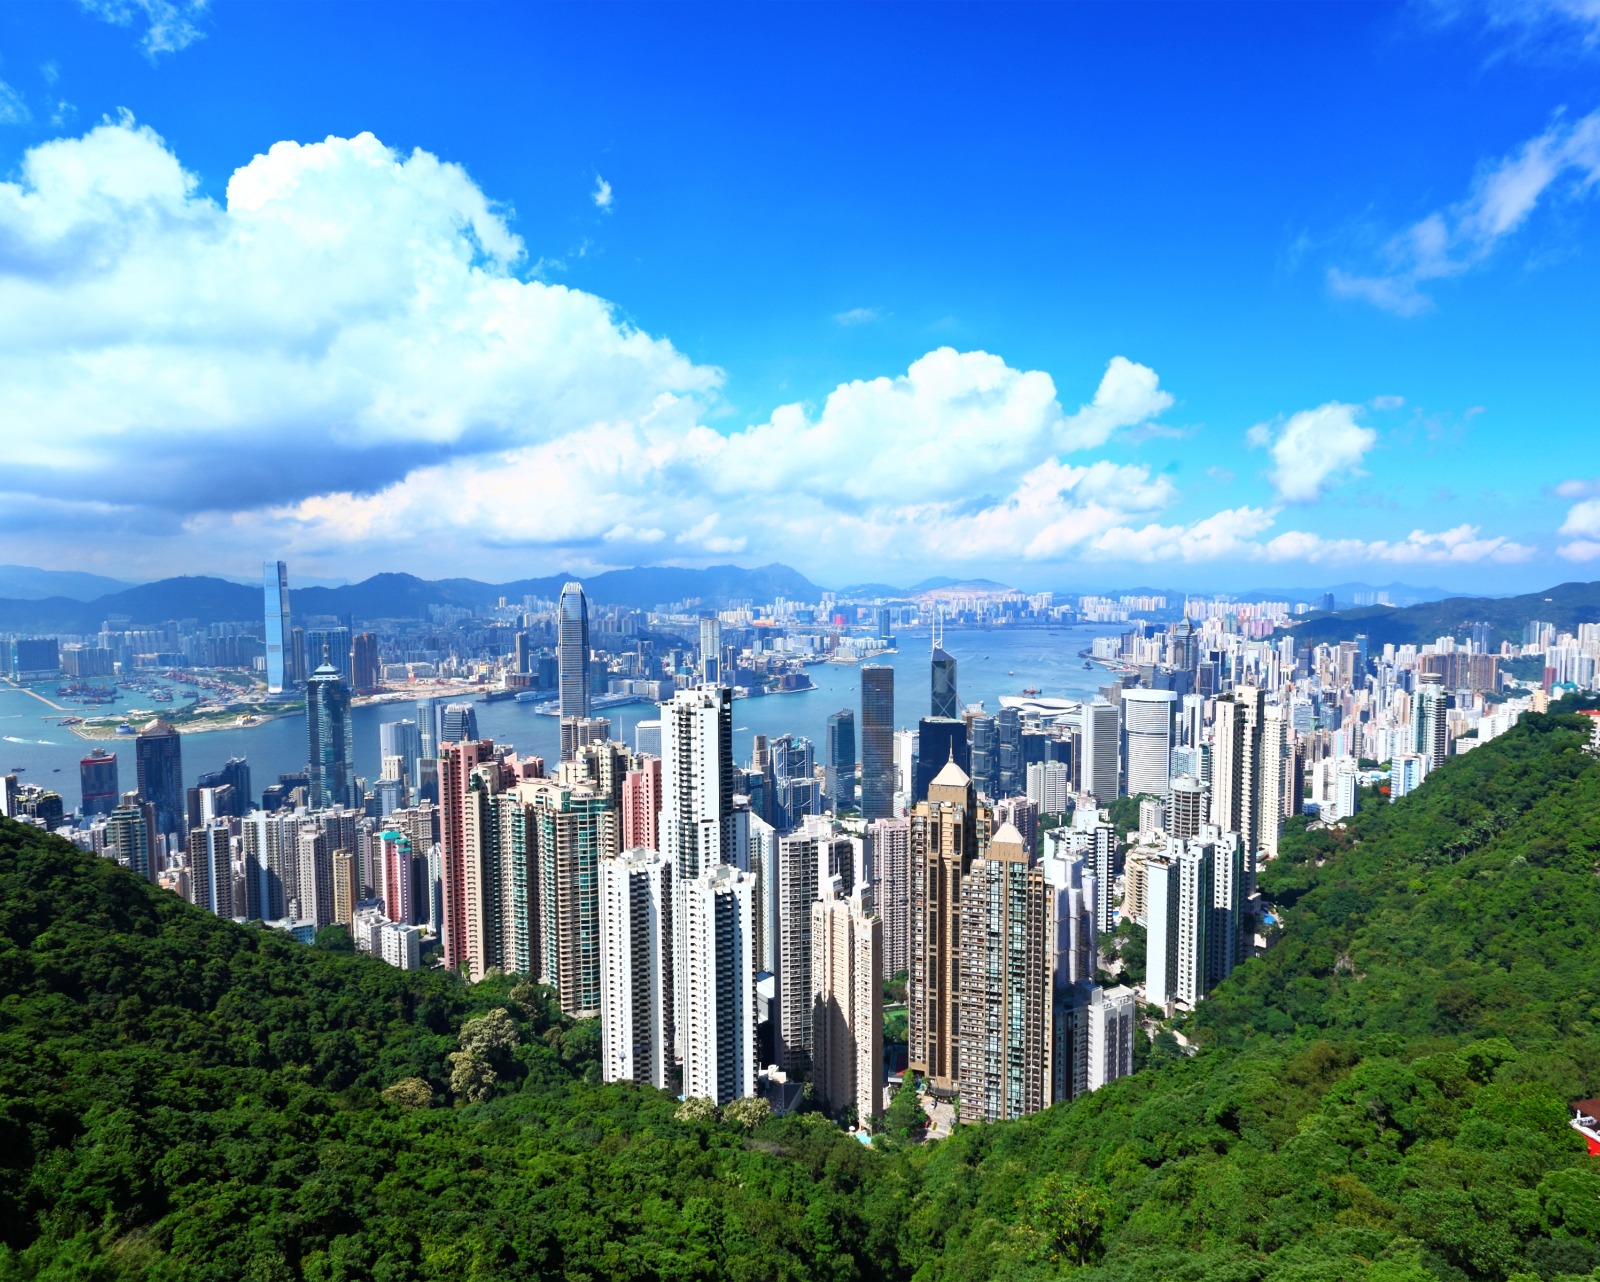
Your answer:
<point x="1382" y="1096"/>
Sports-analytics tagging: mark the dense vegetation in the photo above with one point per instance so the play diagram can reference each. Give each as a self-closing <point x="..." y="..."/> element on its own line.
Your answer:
<point x="1382" y="1096"/>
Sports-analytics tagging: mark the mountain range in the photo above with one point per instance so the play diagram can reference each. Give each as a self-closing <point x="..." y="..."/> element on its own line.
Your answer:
<point x="1566" y="605"/>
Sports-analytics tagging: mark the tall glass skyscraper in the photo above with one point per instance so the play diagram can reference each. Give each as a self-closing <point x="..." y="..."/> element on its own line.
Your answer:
<point x="276" y="584"/>
<point x="572" y="651"/>
<point x="158" y="756"/>
<point x="330" y="739"/>
<point x="839" y="778"/>
<point x="945" y="702"/>
<point x="877" y="741"/>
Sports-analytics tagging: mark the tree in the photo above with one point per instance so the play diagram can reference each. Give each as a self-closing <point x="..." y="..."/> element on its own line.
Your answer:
<point x="410" y="1092"/>
<point x="749" y="1112"/>
<point x="697" y="1109"/>
<point x="1066" y="1215"/>
<point x="490" y="1036"/>
<point x="335" y="939"/>
<point x="471" y="1079"/>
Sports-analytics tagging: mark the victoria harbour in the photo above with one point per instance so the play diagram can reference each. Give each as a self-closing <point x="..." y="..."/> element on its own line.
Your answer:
<point x="992" y="662"/>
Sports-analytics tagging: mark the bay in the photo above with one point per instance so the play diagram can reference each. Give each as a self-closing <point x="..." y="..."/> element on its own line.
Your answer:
<point x="991" y="662"/>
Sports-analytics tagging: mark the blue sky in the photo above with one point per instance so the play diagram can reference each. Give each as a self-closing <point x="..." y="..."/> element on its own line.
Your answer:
<point x="1068" y="295"/>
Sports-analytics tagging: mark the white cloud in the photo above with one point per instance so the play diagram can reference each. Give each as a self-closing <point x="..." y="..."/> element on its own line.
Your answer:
<point x="1129" y="395"/>
<point x="1530" y="22"/>
<point x="1580" y="550"/>
<point x="13" y="110"/>
<point x="857" y="316"/>
<point x="602" y="193"/>
<point x="1576" y="488"/>
<point x="345" y="361"/>
<point x="169" y="25"/>
<point x="1564" y="159"/>
<point x="1313" y="449"/>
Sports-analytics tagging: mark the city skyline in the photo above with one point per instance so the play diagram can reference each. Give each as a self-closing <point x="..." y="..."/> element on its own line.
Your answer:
<point x="1316" y="356"/>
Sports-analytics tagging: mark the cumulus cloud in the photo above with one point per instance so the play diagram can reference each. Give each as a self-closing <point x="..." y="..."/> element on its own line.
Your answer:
<point x="169" y="25"/>
<point x="1314" y="449"/>
<point x="602" y="193"/>
<point x="1576" y="488"/>
<point x="347" y="360"/>
<point x="1564" y="160"/>
<point x="1582" y="529"/>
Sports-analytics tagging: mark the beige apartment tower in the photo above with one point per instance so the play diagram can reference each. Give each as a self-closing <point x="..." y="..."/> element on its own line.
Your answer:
<point x="847" y="1003"/>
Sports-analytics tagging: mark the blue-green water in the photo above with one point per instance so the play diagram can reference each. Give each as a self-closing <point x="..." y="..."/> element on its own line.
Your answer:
<point x="991" y="663"/>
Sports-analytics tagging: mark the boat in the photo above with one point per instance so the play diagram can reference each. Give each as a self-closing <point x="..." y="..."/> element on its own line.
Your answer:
<point x="1030" y="691"/>
<point x="1087" y="664"/>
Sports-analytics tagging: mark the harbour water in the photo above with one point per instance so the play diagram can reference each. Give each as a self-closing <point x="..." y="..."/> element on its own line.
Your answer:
<point x="990" y="663"/>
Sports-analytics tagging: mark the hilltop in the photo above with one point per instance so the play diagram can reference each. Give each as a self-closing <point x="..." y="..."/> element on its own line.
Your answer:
<point x="1380" y="1097"/>
<point x="1566" y="605"/>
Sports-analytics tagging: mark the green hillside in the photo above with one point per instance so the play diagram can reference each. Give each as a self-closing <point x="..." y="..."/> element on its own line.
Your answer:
<point x="1382" y="1096"/>
<point x="1566" y="605"/>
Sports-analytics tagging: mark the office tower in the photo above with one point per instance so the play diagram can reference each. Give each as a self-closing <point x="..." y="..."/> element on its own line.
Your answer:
<point x="457" y="761"/>
<point x="885" y="620"/>
<point x="211" y="868"/>
<point x="131" y="835"/>
<point x="985" y="743"/>
<point x="330" y="739"/>
<point x="577" y="733"/>
<point x="459" y="721"/>
<point x="1011" y="777"/>
<point x="97" y="778"/>
<point x="1101" y="730"/>
<point x="523" y="654"/>
<point x="847" y="1003"/>
<point x="1185" y="645"/>
<point x="577" y="831"/>
<point x="1113" y="1016"/>
<point x="330" y="646"/>
<point x="364" y="667"/>
<point x="297" y="657"/>
<point x="572" y="651"/>
<point x="711" y="651"/>
<point x="1186" y="807"/>
<point x="890" y="841"/>
<point x="1191" y="721"/>
<point x="428" y="730"/>
<point x="280" y="657"/>
<point x="158" y="755"/>
<point x="647" y="737"/>
<point x="1429" y="716"/>
<point x="401" y="739"/>
<point x="345" y="888"/>
<point x="877" y="741"/>
<point x="1147" y="720"/>
<point x="905" y="769"/>
<point x="945" y="702"/>
<point x="1049" y="787"/>
<point x="635" y="938"/>
<point x="948" y="831"/>
<point x="839" y="772"/>
<point x="641" y="806"/>
<point x="717" y="982"/>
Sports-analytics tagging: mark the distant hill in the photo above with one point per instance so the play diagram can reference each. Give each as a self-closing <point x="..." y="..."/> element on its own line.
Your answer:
<point x="26" y="583"/>
<point x="398" y="596"/>
<point x="1565" y="605"/>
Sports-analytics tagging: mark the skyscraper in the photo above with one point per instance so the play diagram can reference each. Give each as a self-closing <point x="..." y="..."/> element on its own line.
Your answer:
<point x="1099" y="773"/>
<point x="1429" y="716"/>
<point x="839" y="772"/>
<point x="877" y="741"/>
<point x="280" y="658"/>
<point x="158" y="755"/>
<point x="211" y="868"/>
<point x="890" y="841"/>
<point x="948" y="831"/>
<point x="401" y="739"/>
<point x="456" y="764"/>
<point x="459" y="721"/>
<point x="847" y="1003"/>
<point x="641" y="806"/>
<point x="364" y="661"/>
<point x="330" y="739"/>
<point x="717" y="981"/>
<point x="806" y="861"/>
<point x="130" y="835"/>
<point x="97" y="775"/>
<point x="699" y="829"/>
<point x="940" y="740"/>
<point x="572" y="651"/>
<point x="945" y="702"/>
<point x="332" y="646"/>
<point x="578" y="833"/>
<point x="1147" y="717"/>
<point x="1238" y="801"/>
<point x="635" y="939"/>
<point x="711" y="650"/>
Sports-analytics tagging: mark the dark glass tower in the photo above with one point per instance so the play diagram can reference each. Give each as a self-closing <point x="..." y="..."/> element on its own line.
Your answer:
<point x="158" y="756"/>
<point x="330" y="739"/>
<point x="945" y="702"/>
<point x="877" y="741"/>
<point x="839" y="777"/>
<point x="940" y="740"/>
<point x="572" y="652"/>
